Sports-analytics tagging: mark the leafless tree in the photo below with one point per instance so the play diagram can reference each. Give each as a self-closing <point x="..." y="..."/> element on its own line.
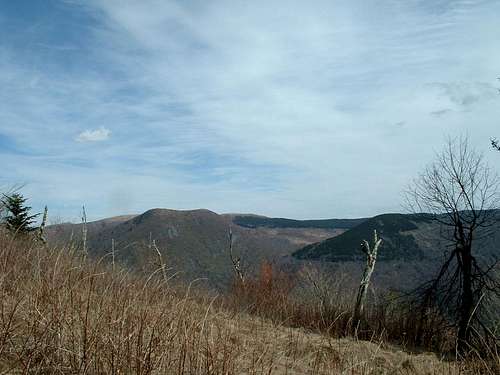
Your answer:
<point x="318" y="283"/>
<point x="460" y="192"/>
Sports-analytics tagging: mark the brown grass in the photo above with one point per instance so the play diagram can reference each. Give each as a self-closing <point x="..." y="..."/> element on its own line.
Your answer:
<point x="282" y="298"/>
<point x="62" y="315"/>
<point x="285" y="299"/>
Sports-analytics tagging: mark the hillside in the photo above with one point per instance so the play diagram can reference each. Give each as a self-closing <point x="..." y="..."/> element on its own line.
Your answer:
<point x="194" y="243"/>
<point x="253" y="221"/>
<point x="409" y="238"/>
<point x="396" y="230"/>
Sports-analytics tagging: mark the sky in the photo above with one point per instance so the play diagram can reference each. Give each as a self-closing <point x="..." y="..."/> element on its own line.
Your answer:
<point x="300" y="109"/>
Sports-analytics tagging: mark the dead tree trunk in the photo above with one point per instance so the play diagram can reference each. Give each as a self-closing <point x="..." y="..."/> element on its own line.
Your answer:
<point x="371" y="257"/>
<point x="42" y="239"/>
<point x="235" y="261"/>
<point x="41" y="229"/>
<point x="467" y="303"/>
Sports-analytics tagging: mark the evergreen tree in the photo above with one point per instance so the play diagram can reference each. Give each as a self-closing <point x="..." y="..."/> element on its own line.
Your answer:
<point x="17" y="219"/>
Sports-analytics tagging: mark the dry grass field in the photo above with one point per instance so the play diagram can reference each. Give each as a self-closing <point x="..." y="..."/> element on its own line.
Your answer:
<point x="60" y="314"/>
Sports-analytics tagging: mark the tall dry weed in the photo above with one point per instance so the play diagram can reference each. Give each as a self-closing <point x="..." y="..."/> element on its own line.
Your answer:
<point x="62" y="314"/>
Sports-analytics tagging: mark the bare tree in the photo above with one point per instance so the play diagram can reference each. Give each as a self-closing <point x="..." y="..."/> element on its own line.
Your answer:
<point x="460" y="192"/>
<point x="371" y="257"/>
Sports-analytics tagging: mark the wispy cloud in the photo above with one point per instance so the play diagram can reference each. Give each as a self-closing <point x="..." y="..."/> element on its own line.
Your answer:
<point x="281" y="108"/>
<point x="466" y="94"/>
<point x="440" y="112"/>
<point x="96" y="135"/>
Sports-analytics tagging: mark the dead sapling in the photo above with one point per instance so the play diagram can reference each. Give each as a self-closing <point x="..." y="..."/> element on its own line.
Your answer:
<point x="84" y="233"/>
<point x="41" y="237"/>
<point x="235" y="261"/>
<point x="113" y="253"/>
<point x="371" y="257"/>
<point x="161" y="263"/>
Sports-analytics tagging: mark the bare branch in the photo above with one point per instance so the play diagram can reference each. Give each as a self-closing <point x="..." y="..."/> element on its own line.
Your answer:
<point x="495" y="144"/>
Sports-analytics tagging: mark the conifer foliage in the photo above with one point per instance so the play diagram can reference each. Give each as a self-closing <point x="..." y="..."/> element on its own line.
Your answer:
<point x="18" y="218"/>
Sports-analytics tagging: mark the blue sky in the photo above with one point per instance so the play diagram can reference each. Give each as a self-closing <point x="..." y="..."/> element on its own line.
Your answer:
<point x="283" y="108"/>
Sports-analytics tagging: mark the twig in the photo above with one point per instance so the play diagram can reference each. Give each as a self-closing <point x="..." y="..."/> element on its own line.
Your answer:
<point x="84" y="232"/>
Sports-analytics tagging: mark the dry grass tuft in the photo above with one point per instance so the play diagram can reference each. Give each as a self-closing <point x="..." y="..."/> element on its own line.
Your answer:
<point x="61" y="314"/>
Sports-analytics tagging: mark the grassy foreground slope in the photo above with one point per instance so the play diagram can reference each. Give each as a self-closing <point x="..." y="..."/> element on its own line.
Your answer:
<point x="62" y="314"/>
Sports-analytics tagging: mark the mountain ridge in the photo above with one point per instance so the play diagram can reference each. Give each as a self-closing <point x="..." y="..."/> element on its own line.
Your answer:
<point x="193" y="242"/>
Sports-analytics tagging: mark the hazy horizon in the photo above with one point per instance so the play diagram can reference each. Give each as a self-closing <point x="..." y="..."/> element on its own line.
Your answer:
<point x="283" y="109"/>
